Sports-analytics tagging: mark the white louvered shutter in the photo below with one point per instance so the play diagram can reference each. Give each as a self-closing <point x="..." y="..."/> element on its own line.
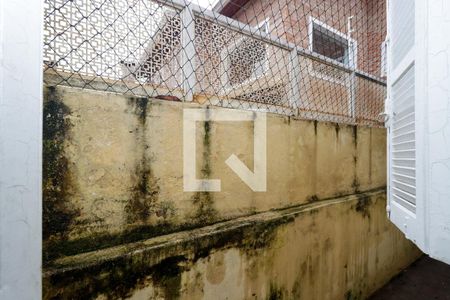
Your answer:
<point x="401" y="109"/>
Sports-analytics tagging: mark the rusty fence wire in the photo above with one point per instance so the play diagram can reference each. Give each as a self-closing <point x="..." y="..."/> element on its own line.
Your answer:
<point x="314" y="59"/>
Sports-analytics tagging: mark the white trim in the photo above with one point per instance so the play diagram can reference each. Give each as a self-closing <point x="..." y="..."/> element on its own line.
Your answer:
<point x="313" y="21"/>
<point x="423" y="200"/>
<point x="388" y="114"/>
<point x="325" y="76"/>
<point x="237" y="43"/>
<point x="411" y="222"/>
<point x="403" y="66"/>
<point x="265" y="23"/>
<point x="352" y="43"/>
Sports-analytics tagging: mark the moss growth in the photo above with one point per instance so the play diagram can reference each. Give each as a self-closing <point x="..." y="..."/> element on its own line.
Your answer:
<point x="146" y="191"/>
<point x="313" y="211"/>
<point x="58" y="215"/>
<point x="260" y="236"/>
<point x="275" y="293"/>
<point x="122" y="275"/>
<point x="145" y="195"/>
<point x="363" y="205"/>
<point x="206" y="169"/>
<point x="252" y="236"/>
<point x="165" y="209"/>
<point x="287" y="120"/>
<point x="297" y="288"/>
<point x="355" y="135"/>
<point x="312" y="199"/>
<point x="350" y="295"/>
<point x="141" y="106"/>
<point x="337" y="128"/>
<point x="205" y="212"/>
<point x="167" y="276"/>
<point x="59" y="248"/>
<point x="117" y="280"/>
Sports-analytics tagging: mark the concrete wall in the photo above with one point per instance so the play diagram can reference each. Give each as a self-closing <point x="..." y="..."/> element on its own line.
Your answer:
<point x="343" y="248"/>
<point x="117" y="222"/>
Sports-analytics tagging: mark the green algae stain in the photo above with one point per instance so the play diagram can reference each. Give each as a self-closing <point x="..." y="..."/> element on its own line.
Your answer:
<point x="58" y="214"/>
<point x="122" y="279"/>
<point x="205" y="212"/>
<point x="363" y="205"/>
<point x="146" y="191"/>
<point x="275" y="293"/>
<point x="144" y="195"/>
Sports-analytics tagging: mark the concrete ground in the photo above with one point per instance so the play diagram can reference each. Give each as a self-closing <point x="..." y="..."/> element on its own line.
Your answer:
<point x="425" y="279"/>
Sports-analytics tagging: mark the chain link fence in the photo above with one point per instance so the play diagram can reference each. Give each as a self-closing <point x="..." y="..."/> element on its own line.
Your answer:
<point x="315" y="59"/>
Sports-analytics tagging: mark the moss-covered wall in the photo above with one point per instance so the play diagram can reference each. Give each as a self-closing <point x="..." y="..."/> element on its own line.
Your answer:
<point x="113" y="168"/>
<point x="117" y="222"/>
<point x="342" y="248"/>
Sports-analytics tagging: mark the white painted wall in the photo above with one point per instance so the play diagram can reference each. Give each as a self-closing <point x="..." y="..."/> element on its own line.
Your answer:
<point x="20" y="148"/>
<point x="438" y="130"/>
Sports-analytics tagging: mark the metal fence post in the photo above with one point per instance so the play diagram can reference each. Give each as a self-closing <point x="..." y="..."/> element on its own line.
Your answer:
<point x="353" y="58"/>
<point x="188" y="52"/>
<point x="294" y="80"/>
<point x="353" y="96"/>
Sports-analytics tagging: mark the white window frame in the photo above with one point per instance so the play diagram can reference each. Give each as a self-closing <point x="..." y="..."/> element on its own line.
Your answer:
<point x="352" y="43"/>
<point x="265" y="24"/>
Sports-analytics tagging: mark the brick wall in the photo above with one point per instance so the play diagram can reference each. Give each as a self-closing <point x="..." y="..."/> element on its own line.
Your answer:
<point x="289" y="20"/>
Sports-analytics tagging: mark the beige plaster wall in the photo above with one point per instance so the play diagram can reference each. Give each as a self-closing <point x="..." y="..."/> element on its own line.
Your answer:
<point x="115" y="168"/>
<point x="344" y="248"/>
<point x="118" y="225"/>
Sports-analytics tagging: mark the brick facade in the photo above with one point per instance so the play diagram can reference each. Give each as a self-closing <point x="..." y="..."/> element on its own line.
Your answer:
<point x="289" y="20"/>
